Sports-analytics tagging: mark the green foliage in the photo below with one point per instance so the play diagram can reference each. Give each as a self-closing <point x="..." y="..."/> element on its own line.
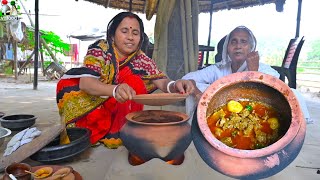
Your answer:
<point x="47" y="63"/>
<point x="314" y="53"/>
<point x="272" y="50"/>
<point x="274" y="57"/>
<point x="300" y="70"/>
<point x="210" y="59"/>
<point x="8" y="70"/>
<point x="55" y="43"/>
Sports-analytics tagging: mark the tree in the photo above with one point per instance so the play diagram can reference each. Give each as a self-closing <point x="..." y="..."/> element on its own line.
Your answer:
<point x="314" y="53"/>
<point x="55" y="43"/>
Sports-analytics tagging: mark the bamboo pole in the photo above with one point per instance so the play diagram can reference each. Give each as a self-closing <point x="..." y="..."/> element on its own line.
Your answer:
<point x="36" y="46"/>
<point x="42" y="60"/>
<point x="15" y="59"/>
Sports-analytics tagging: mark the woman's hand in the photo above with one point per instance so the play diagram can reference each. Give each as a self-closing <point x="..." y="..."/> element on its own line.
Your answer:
<point x="124" y="92"/>
<point x="197" y="93"/>
<point x="184" y="86"/>
<point x="93" y="86"/>
<point x="179" y="86"/>
<point x="198" y="96"/>
<point x="253" y="61"/>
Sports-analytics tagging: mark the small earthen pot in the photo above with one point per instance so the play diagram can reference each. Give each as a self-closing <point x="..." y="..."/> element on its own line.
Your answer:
<point x="18" y="171"/>
<point x="156" y="134"/>
<point x="250" y="164"/>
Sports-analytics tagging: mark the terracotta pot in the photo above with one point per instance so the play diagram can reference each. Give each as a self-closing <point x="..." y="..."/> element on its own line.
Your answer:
<point x="253" y="164"/>
<point x="18" y="171"/>
<point x="156" y="134"/>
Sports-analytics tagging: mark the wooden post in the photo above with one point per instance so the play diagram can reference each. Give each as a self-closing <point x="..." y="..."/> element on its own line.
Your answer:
<point x="130" y="5"/>
<point x="209" y="37"/>
<point x="42" y="61"/>
<point x="298" y="18"/>
<point x="15" y="59"/>
<point x="36" y="45"/>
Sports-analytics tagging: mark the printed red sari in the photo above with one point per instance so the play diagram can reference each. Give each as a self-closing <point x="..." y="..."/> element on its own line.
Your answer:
<point x="104" y="116"/>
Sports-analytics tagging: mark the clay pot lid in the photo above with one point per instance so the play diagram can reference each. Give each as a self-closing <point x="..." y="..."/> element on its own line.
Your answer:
<point x="255" y="77"/>
<point x="159" y="99"/>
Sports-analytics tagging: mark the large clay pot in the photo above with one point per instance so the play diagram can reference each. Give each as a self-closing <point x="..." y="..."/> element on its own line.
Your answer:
<point x="250" y="164"/>
<point x="156" y="134"/>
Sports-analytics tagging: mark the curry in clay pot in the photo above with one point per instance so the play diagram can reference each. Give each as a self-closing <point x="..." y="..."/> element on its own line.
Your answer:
<point x="248" y="125"/>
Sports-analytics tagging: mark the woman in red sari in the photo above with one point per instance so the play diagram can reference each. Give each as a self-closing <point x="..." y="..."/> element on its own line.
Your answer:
<point x="98" y="95"/>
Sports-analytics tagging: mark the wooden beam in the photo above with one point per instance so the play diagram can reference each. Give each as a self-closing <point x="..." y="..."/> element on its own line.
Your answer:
<point x="26" y="63"/>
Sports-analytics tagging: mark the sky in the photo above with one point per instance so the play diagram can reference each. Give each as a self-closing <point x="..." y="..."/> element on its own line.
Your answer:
<point x="65" y="17"/>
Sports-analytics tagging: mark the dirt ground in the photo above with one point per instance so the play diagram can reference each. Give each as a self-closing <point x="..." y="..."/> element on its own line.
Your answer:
<point x="18" y="96"/>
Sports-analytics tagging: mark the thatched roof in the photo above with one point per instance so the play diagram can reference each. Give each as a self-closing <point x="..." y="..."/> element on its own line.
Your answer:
<point x="218" y="5"/>
<point x="204" y="5"/>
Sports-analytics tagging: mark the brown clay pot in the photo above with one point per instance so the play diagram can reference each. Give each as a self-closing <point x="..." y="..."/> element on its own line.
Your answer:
<point x="156" y="134"/>
<point x="250" y="164"/>
<point x="18" y="171"/>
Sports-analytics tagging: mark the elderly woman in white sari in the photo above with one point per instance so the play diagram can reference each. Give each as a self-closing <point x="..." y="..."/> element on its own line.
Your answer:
<point x="239" y="54"/>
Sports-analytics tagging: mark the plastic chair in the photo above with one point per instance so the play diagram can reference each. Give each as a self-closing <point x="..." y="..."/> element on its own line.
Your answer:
<point x="288" y="68"/>
<point x="147" y="46"/>
<point x="218" y="56"/>
<point x="202" y="49"/>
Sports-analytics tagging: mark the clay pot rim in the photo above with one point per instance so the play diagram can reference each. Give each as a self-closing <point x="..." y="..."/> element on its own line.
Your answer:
<point x="15" y="164"/>
<point x="13" y="123"/>
<point x="250" y="76"/>
<point x="7" y="132"/>
<point x="2" y="114"/>
<point x="184" y="116"/>
<point x="29" y="117"/>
